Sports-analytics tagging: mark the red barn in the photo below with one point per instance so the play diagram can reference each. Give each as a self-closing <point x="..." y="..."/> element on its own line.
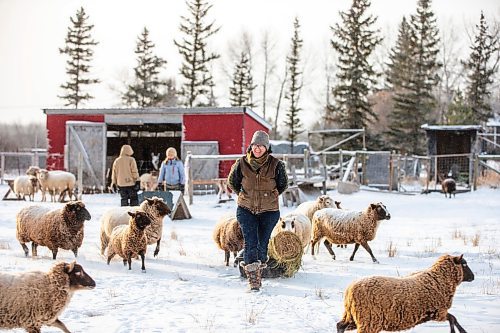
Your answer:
<point x="92" y="138"/>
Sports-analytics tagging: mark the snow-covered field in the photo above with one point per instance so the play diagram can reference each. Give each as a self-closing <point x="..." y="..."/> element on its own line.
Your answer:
<point x="188" y="288"/>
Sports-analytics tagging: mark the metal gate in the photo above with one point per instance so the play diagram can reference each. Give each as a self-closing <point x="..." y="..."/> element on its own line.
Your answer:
<point x="88" y="140"/>
<point x="202" y="169"/>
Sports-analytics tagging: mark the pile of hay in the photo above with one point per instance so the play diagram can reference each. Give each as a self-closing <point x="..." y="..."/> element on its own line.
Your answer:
<point x="286" y="248"/>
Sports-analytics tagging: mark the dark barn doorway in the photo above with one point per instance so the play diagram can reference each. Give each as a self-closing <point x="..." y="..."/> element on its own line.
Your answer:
<point x="147" y="140"/>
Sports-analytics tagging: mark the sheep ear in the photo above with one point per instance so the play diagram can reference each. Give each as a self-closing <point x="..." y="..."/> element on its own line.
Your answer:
<point x="458" y="260"/>
<point x="131" y="213"/>
<point x="373" y="206"/>
<point x="150" y="200"/>
<point x="69" y="267"/>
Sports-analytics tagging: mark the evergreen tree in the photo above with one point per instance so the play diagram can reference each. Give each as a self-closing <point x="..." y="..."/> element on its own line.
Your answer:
<point x="480" y="72"/>
<point x="459" y="112"/>
<point x="414" y="102"/>
<point x="354" y="40"/>
<point x="78" y="47"/>
<point x="240" y="93"/>
<point x="145" y="91"/>
<point x="197" y="89"/>
<point x="292" y="120"/>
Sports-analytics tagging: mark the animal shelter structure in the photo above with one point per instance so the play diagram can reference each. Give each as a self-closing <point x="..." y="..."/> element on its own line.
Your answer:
<point x="452" y="149"/>
<point x="90" y="139"/>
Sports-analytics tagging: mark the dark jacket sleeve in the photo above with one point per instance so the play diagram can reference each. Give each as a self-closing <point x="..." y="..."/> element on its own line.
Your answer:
<point x="281" y="177"/>
<point x="235" y="177"/>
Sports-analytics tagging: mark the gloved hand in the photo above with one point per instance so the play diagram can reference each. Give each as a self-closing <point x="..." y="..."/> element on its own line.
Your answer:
<point x="137" y="186"/>
<point x="181" y="188"/>
<point x="160" y="187"/>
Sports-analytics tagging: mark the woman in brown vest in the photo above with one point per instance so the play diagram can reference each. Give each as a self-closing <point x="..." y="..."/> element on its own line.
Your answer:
<point x="258" y="178"/>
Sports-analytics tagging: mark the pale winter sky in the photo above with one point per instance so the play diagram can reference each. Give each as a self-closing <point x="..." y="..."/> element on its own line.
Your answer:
<point x="31" y="32"/>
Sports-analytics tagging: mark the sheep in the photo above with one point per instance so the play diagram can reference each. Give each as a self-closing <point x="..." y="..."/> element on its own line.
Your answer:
<point x="130" y="240"/>
<point x="149" y="181"/>
<point x="32" y="299"/>
<point x="56" y="182"/>
<point x="58" y="228"/>
<point x="380" y="303"/>
<point x="297" y="223"/>
<point x="228" y="236"/>
<point x="25" y="185"/>
<point x="155" y="207"/>
<point x="449" y="186"/>
<point x="347" y="227"/>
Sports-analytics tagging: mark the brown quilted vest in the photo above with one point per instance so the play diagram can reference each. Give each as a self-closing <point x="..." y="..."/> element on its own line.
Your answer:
<point x="259" y="193"/>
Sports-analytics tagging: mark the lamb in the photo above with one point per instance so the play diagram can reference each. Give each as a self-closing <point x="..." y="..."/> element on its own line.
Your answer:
<point x="380" y="303"/>
<point x="449" y="186"/>
<point x="58" y="228"/>
<point x="149" y="181"/>
<point x="309" y="207"/>
<point x="297" y="223"/>
<point x="130" y="240"/>
<point x="228" y="237"/>
<point x="155" y="207"/>
<point x="25" y="186"/>
<point x="33" y="299"/>
<point x="58" y="182"/>
<point x="347" y="227"/>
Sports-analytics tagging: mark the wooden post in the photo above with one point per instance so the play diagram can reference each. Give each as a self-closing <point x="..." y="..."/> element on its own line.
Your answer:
<point x="325" y="172"/>
<point x="189" y="173"/>
<point x="306" y="164"/>
<point x="2" y="168"/>
<point x="80" y="176"/>
<point x="435" y="172"/>
<point x="341" y="164"/>
<point x="475" y="171"/>
<point x="391" y="172"/>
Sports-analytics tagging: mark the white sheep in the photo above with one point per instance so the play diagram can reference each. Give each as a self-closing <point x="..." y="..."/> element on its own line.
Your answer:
<point x="25" y="186"/>
<point x="130" y="240"/>
<point x="149" y="181"/>
<point x="309" y="207"/>
<point x="347" y="227"/>
<point x="32" y="299"/>
<point x="56" y="181"/>
<point x="382" y="303"/>
<point x="297" y="223"/>
<point x="228" y="236"/>
<point x="155" y="207"/>
<point x="58" y="228"/>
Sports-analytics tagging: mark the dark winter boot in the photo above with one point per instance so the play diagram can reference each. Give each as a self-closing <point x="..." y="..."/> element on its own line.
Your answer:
<point x="253" y="272"/>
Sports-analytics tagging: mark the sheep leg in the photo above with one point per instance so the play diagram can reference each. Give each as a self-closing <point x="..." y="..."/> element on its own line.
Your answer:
<point x="368" y="249"/>
<point x="235" y="254"/>
<point x="129" y="260"/>
<point x="356" y="247"/>
<point x="227" y="255"/>
<point x="33" y="329"/>
<point x="34" y="252"/>
<point x="143" y="267"/>
<point x="54" y="253"/>
<point x="75" y="251"/>
<point x="328" y="246"/>
<point x="25" y="249"/>
<point x="60" y="325"/>
<point x="110" y="256"/>
<point x="157" y="250"/>
<point x="343" y="325"/>
<point x="454" y="322"/>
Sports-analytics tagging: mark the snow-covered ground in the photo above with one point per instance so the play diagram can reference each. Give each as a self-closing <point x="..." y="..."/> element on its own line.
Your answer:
<point x="188" y="288"/>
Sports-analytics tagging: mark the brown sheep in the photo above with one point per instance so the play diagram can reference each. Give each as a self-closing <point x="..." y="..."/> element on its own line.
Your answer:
<point x="58" y="228"/>
<point x="228" y="237"/>
<point x="33" y="299"/>
<point x="130" y="240"/>
<point x="347" y="227"/>
<point x="380" y="303"/>
<point x="449" y="187"/>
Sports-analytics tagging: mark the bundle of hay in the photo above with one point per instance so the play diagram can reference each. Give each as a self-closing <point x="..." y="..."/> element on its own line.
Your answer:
<point x="286" y="248"/>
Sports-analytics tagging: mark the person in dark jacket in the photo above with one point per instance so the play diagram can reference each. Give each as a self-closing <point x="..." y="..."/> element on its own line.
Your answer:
<point x="258" y="179"/>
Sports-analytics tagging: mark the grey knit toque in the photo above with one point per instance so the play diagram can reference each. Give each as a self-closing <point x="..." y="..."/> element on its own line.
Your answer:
<point x="260" y="138"/>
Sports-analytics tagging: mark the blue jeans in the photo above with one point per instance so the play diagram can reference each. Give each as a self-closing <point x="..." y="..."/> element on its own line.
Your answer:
<point x="256" y="229"/>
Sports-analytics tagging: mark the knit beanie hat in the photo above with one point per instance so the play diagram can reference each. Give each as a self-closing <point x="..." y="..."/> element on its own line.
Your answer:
<point x="260" y="138"/>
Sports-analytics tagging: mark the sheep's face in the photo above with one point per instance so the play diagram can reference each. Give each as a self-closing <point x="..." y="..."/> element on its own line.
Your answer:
<point x="287" y="224"/>
<point x="142" y="219"/>
<point x="43" y="174"/>
<point x="468" y="276"/>
<point x="159" y="206"/>
<point x="325" y="201"/>
<point x="78" y="278"/>
<point x="381" y="211"/>
<point x="77" y="210"/>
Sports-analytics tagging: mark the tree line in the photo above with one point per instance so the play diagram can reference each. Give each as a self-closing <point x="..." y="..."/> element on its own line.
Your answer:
<point x="417" y="77"/>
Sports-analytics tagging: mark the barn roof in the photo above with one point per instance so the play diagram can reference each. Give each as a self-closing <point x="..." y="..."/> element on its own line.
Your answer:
<point x="451" y="127"/>
<point x="162" y="111"/>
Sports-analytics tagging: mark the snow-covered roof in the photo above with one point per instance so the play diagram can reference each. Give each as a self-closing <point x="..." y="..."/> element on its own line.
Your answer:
<point x="452" y="127"/>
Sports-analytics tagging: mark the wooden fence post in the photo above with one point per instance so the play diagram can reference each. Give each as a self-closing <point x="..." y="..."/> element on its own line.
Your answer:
<point x="189" y="174"/>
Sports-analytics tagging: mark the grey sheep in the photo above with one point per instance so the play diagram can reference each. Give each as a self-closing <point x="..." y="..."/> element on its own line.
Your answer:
<point x="381" y="303"/>
<point x="130" y="240"/>
<point x="228" y="237"/>
<point x="154" y="207"/>
<point x="347" y="227"/>
<point x="33" y="299"/>
<point x="58" y="228"/>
